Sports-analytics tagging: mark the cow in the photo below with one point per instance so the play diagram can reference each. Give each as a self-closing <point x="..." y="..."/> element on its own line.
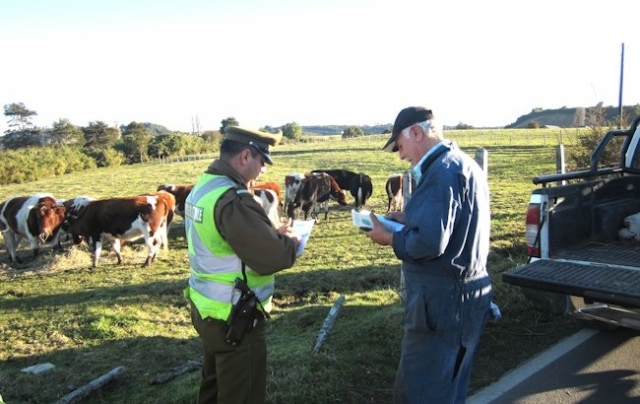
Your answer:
<point x="395" y="192"/>
<point x="272" y="185"/>
<point x="180" y="191"/>
<point x="291" y="185"/>
<point x="122" y="219"/>
<point x="344" y="178"/>
<point x="170" y="207"/>
<point x="361" y="189"/>
<point x="73" y="208"/>
<point x="38" y="218"/>
<point x="268" y="199"/>
<point x="314" y="193"/>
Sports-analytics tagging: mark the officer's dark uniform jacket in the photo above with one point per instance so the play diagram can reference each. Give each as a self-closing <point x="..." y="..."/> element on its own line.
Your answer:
<point x="225" y="227"/>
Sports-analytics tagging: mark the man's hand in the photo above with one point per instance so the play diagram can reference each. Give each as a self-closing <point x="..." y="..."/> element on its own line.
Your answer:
<point x="395" y="216"/>
<point x="379" y="234"/>
<point x="288" y="231"/>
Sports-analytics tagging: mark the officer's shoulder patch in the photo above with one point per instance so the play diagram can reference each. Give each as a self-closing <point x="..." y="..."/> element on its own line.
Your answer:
<point x="243" y="192"/>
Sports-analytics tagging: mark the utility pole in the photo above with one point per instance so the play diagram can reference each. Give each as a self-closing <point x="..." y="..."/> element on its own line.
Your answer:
<point x="620" y="92"/>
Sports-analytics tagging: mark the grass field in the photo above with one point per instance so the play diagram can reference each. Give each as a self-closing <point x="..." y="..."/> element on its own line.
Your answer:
<point x="86" y="322"/>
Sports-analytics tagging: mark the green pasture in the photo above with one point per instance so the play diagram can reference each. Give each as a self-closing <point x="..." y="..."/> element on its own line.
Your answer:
<point x="55" y="309"/>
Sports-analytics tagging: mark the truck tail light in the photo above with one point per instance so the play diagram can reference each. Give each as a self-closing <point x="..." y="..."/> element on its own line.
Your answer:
<point x="532" y="230"/>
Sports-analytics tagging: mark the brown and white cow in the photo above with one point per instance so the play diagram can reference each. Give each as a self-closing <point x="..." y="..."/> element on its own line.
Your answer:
<point x="38" y="218"/>
<point x="314" y="194"/>
<point x="180" y="191"/>
<point x="272" y="185"/>
<point x="292" y="183"/>
<point x="170" y="207"/>
<point x="395" y="192"/>
<point x="268" y="199"/>
<point x="122" y="219"/>
<point x="73" y="208"/>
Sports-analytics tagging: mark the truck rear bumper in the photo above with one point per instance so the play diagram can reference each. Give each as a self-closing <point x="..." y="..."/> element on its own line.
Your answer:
<point x="615" y="285"/>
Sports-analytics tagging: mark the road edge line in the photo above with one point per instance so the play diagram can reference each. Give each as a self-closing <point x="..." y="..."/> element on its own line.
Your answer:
<point x="522" y="372"/>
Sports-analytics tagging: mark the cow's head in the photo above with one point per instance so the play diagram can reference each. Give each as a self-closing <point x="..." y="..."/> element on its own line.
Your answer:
<point x="49" y="216"/>
<point x="339" y="196"/>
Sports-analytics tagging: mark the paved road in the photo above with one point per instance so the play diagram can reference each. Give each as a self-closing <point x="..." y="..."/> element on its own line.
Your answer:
<point x="589" y="367"/>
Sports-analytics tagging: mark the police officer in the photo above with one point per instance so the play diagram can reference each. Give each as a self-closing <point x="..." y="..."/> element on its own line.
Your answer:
<point x="229" y="236"/>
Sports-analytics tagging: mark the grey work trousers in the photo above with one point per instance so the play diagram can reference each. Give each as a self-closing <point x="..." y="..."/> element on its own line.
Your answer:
<point x="444" y="319"/>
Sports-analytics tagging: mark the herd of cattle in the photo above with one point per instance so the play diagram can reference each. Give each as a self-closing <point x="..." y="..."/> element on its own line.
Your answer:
<point x="41" y="218"/>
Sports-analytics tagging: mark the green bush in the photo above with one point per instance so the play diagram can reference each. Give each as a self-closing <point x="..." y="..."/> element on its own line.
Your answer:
<point x="109" y="158"/>
<point x="30" y="164"/>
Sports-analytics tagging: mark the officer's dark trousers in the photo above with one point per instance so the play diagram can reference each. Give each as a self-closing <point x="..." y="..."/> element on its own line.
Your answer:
<point x="231" y="374"/>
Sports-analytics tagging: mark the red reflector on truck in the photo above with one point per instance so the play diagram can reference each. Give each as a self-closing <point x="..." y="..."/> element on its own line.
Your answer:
<point x="532" y="226"/>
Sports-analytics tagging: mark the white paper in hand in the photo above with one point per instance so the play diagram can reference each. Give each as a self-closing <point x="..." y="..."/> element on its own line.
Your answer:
<point x="362" y="220"/>
<point x="303" y="228"/>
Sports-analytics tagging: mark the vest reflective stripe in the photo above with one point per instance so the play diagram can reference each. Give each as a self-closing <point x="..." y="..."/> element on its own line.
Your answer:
<point x="214" y="265"/>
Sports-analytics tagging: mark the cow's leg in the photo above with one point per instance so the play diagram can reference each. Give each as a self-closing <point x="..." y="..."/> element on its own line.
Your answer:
<point x="10" y="241"/>
<point x="164" y="237"/>
<point x="152" y="247"/>
<point x="116" y="246"/>
<point x="34" y="243"/>
<point x="57" y="240"/>
<point x="96" y="247"/>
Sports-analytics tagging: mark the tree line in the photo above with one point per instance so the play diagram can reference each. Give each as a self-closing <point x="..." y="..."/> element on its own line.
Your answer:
<point x="31" y="152"/>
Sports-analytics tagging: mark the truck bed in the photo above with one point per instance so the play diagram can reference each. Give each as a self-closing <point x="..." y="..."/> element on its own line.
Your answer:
<point x="599" y="272"/>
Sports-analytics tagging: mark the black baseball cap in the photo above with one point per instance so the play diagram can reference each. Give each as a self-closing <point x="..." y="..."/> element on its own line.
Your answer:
<point x="407" y="117"/>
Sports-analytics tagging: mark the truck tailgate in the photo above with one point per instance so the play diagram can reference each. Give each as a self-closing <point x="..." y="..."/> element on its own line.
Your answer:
<point x="616" y="282"/>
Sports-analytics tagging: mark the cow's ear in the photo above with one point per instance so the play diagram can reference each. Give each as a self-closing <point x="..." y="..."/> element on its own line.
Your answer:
<point x="60" y="209"/>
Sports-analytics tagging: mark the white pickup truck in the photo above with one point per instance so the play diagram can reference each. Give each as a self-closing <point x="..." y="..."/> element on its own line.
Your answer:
<point x="579" y="264"/>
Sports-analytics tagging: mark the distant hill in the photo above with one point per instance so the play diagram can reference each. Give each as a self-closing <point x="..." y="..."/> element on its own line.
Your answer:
<point x="339" y="129"/>
<point x="562" y="117"/>
<point x="567" y="117"/>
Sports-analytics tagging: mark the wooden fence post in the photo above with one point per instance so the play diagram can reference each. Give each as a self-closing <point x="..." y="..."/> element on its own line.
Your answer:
<point x="328" y="323"/>
<point x="84" y="391"/>
<point x="482" y="158"/>
<point x="560" y="163"/>
<point x="407" y="187"/>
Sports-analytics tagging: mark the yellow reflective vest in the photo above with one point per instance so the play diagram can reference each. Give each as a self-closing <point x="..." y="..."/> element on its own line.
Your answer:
<point x="214" y="265"/>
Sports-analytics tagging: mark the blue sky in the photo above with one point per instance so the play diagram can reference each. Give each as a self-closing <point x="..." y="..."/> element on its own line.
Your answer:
<point x="315" y="62"/>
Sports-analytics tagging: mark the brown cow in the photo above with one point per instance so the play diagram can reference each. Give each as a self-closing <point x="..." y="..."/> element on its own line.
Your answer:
<point x="124" y="218"/>
<point x="395" y="192"/>
<point x="180" y="191"/>
<point x="38" y="218"/>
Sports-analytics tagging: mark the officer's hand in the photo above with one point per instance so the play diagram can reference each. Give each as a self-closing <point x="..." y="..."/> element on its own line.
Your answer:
<point x="288" y="231"/>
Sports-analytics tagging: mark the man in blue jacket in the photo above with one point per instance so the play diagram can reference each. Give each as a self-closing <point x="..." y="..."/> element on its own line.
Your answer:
<point x="443" y="247"/>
